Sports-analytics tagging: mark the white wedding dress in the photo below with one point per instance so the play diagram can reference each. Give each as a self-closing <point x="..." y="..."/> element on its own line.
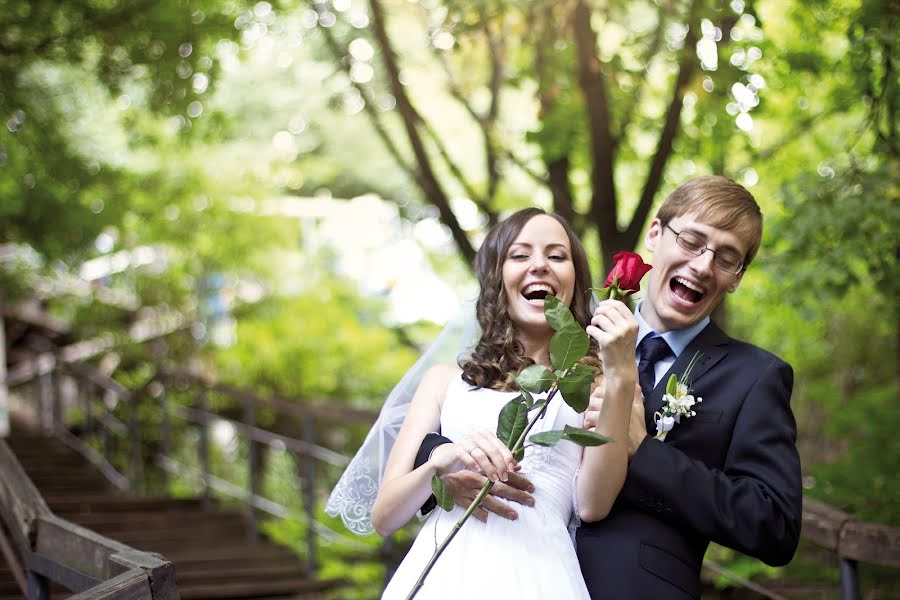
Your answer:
<point x="532" y="557"/>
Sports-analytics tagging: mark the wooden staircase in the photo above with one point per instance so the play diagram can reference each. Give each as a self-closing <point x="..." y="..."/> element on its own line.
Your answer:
<point x="213" y="554"/>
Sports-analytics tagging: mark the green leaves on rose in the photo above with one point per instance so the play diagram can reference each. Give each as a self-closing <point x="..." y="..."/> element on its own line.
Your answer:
<point x="582" y="437"/>
<point x="575" y="387"/>
<point x="535" y="378"/>
<point x="441" y="493"/>
<point x="568" y="346"/>
<point x="512" y="422"/>
<point x="558" y="314"/>
<point x="570" y="342"/>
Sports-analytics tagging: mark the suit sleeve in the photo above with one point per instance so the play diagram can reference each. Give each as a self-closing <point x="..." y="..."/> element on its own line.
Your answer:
<point x="429" y="443"/>
<point x="753" y="504"/>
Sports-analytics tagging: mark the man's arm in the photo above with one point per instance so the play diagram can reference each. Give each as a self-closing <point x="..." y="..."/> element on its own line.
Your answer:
<point x="431" y="441"/>
<point x="753" y="504"/>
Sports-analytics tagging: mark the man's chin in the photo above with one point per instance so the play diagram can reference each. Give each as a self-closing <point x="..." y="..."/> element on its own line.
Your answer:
<point x="682" y="317"/>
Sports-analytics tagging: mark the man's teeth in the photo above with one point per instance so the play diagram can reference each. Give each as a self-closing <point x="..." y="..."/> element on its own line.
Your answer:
<point x="690" y="285"/>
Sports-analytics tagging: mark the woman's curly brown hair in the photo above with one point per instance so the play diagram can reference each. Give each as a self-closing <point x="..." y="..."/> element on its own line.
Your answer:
<point x="499" y="357"/>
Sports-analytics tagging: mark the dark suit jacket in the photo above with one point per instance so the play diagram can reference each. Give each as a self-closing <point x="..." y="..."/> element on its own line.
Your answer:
<point x="730" y="474"/>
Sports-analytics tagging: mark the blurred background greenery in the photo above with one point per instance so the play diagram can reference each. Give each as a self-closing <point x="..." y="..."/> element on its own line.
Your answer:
<point x="308" y="182"/>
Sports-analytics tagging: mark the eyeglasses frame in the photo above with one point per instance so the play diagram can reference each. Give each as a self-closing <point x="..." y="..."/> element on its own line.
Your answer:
<point x="741" y="265"/>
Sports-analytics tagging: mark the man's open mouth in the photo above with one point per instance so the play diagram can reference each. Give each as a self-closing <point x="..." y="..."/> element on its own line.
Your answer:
<point x="537" y="291"/>
<point x="685" y="290"/>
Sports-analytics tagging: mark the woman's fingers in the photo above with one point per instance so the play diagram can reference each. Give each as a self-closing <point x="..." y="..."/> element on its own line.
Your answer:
<point x="492" y="455"/>
<point x="590" y="418"/>
<point x="613" y="326"/>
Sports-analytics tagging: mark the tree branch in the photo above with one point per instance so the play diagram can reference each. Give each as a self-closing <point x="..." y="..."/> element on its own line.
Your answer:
<point x="652" y="51"/>
<point x="425" y="175"/>
<point x="687" y="65"/>
<point x="557" y="178"/>
<point x="369" y="103"/>
<point x="486" y="122"/>
<point x="603" y="212"/>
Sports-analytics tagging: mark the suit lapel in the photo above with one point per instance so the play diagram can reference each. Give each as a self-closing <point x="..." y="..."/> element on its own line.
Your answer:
<point x="712" y="343"/>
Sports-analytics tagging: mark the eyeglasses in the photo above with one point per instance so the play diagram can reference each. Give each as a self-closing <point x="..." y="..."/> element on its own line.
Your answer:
<point x="724" y="259"/>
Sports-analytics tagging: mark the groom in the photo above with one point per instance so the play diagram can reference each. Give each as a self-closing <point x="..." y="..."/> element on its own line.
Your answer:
<point x="730" y="473"/>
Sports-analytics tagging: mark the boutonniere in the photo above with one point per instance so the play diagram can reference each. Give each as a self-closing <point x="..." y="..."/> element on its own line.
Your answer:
<point x="678" y="401"/>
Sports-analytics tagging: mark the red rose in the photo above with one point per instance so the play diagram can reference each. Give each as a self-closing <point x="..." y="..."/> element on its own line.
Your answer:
<point x="625" y="277"/>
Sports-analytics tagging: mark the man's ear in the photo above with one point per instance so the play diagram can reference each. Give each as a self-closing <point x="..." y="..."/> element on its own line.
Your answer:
<point x="651" y="239"/>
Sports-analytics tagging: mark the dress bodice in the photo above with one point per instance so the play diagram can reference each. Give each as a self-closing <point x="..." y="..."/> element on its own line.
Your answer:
<point x="552" y="470"/>
<point x="486" y="559"/>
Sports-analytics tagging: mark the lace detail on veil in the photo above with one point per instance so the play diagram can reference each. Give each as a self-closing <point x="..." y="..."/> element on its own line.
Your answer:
<point x="355" y="492"/>
<point x="353" y="496"/>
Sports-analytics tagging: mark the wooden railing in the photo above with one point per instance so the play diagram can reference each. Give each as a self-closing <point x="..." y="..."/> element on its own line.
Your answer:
<point x="51" y="549"/>
<point x="852" y="540"/>
<point x="201" y="403"/>
<point x="111" y="425"/>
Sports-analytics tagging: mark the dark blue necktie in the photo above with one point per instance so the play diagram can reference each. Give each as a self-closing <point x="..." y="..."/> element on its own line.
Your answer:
<point x="651" y="350"/>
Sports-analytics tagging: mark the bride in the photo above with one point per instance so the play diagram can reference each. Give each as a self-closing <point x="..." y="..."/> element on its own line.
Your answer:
<point x="524" y="258"/>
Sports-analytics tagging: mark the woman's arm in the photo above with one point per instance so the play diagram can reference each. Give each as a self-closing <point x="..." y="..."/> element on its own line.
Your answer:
<point x="404" y="488"/>
<point x="603" y="468"/>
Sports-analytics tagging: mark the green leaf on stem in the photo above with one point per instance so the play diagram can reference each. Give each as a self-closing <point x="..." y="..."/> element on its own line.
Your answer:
<point x="546" y="438"/>
<point x="568" y="345"/>
<point x="582" y="437"/>
<point x="558" y="314"/>
<point x="442" y="493"/>
<point x="535" y="378"/>
<point x="527" y="398"/>
<point x="512" y="421"/>
<point x="585" y="437"/>
<point x="575" y="387"/>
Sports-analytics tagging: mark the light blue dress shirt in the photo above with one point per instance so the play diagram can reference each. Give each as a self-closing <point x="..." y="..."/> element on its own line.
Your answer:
<point x="677" y="340"/>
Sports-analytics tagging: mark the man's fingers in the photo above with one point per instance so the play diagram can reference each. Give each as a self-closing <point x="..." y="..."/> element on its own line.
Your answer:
<point x="495" y="506"/>
<point x="511" y="493"/>
<point x="520" y="482"/>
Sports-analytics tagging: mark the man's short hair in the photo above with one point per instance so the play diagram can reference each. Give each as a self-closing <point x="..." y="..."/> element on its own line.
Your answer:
<point x="719" y="202"/>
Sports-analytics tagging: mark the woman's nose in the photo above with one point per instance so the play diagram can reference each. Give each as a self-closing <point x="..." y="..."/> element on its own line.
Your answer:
<point x="538" y="263"/>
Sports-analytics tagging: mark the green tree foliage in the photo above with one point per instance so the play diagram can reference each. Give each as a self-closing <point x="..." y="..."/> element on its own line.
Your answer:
<point x="325" y="342"/>
<point x="68" y="68"/>
<point x="584" y="99"/>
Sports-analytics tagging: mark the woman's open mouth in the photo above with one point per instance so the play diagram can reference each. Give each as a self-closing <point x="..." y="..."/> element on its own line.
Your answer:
<point x="537" y="292"/>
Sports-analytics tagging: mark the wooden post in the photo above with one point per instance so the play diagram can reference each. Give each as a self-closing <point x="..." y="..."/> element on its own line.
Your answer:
<point x="107" y="434"/>
<point x="86" y="392"/>
<point x="4" y="401"/>
<point x="203" y="402"/>
<point x="38" y="587"/>
<point x="252" y="468"/>
<point x="849" y="580"/>
<point x="135" y="474"/>
<point x="45" y="391"/>
<point x="166" y="433"/>
<point x="309" y="496"/>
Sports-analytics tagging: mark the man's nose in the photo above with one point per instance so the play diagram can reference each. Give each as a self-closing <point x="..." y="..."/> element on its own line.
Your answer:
<point x="703" y="262"/>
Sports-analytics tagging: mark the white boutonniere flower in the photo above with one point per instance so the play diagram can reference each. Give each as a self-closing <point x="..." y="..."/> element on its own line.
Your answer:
<point x="678" y="402"/>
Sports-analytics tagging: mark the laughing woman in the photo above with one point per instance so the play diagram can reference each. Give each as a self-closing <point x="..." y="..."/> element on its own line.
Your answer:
<point x="523" y="259"/>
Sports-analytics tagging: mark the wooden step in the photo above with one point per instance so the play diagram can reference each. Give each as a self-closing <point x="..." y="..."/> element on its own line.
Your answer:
<point x="213" y="555"/>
